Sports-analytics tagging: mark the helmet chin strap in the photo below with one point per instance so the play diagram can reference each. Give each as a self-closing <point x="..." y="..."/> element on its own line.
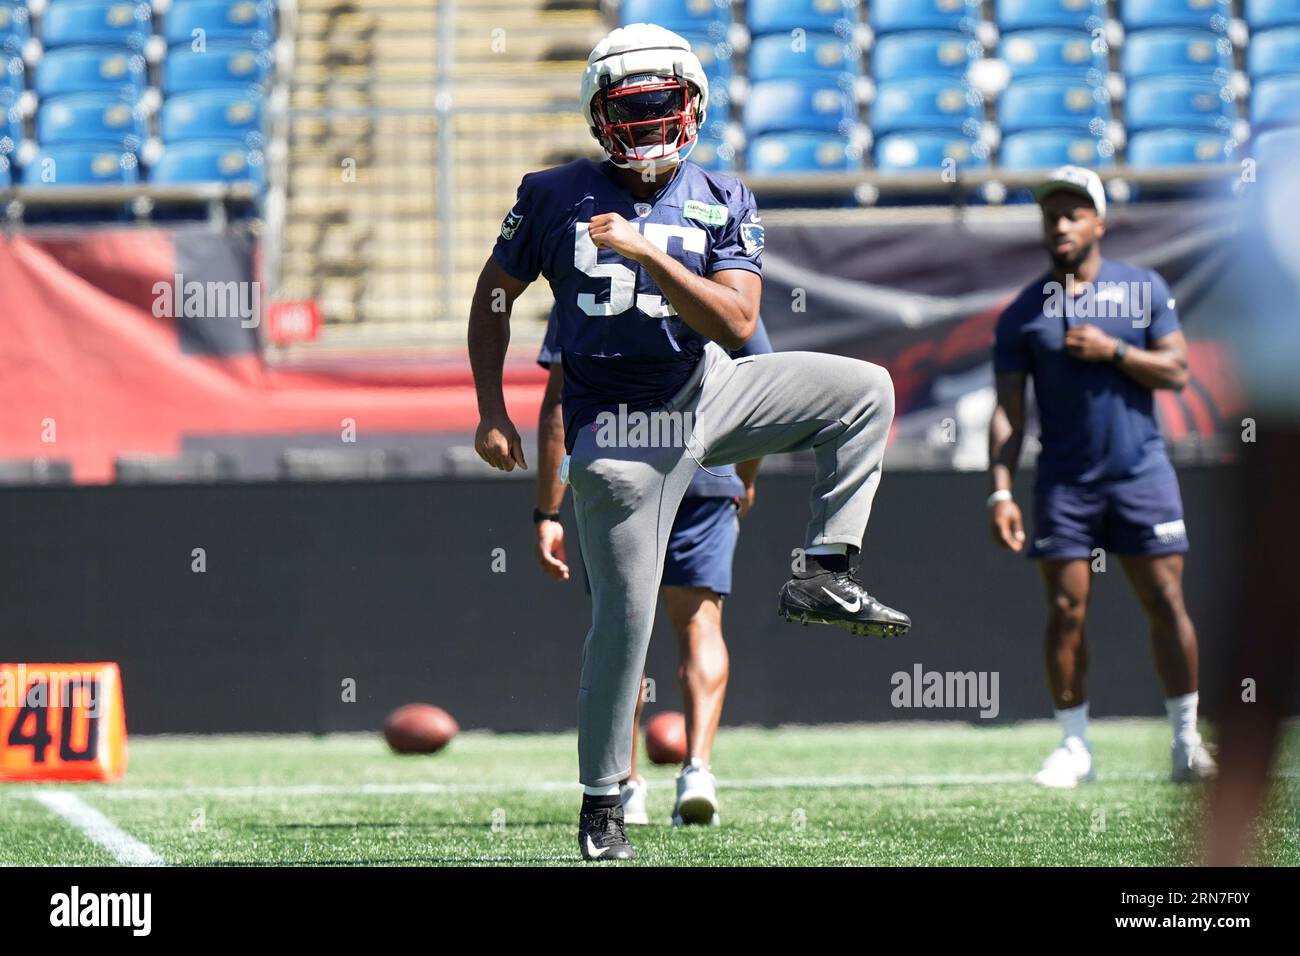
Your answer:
<point x="658" y="164"/>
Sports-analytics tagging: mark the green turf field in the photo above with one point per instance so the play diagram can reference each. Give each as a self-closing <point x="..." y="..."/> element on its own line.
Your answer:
<point x="873" y="794"/>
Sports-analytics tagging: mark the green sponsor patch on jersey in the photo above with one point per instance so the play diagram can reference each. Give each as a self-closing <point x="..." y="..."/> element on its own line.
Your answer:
<point x="705" y="213"/>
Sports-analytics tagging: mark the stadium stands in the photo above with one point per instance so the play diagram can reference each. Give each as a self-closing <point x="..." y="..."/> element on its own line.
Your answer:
<point x="77" y="165"/>
<point x="822" y="56"/>
<point x="1149" y="14"/>
<point x="891" y="16"/>
<point x="1179" y="102"/>
<point x="92" y="119"/>
<point x="811" y="16"/>
<point x="932" y="103"/>
<point x="1047" y="148"/>
<point x="1061" y="14"/>
<point x="1276" y="101"/>
<point x="1053" y="103"/>
<point x="98" y="91"/>
<point x="1179" y="52"/>
<point x="1267" y="14"/>
<point x="799" y="88"/>
<point x="801" y="153"/>
<point x="916" y="53"/>
<point x="1274" y="52"/>
<point x="1176" y="147"/>
<point x="78" y="22"/>
<point x="906" y="152"/>
<point x="14" y="28"/>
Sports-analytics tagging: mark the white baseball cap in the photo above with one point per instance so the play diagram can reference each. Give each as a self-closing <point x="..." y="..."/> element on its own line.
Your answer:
<point x="1075" y="179"/>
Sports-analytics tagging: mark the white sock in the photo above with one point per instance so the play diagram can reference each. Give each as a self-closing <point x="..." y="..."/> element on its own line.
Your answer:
<point x="1074" y="723"/>
<point x="827" y="549"/>
<point x="610" y="790"/>
<point x="1182" y="717"/>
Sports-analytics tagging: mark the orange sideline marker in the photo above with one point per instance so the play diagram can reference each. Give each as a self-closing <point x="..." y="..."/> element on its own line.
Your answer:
<point x="61" y="722"/>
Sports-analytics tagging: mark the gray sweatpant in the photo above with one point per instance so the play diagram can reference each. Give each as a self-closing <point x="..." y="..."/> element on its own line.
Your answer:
<point x="626" y="494"/>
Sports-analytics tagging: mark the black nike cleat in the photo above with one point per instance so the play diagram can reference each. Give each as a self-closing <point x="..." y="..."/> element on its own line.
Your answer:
<point x="600" y="830"/>
<point x="836" y="598"/>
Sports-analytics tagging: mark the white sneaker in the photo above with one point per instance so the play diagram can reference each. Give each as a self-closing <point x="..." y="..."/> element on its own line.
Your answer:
<point x="1193" y="761"/>
<point x="1067" y="766"/>
<point x="697" y="797"/>
<point x="633" y="793"/>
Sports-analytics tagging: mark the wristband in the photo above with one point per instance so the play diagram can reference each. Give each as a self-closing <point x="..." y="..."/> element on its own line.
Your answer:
<point x="1002" y="494"/>
<point x="539" y="516"/>
<point x="1121" y="349"/>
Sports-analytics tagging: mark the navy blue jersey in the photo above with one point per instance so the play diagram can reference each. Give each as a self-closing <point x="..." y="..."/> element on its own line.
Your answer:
<point x="622" y="342"/>
<point x="719" y="481"/>
<point x="1097" y="423"/>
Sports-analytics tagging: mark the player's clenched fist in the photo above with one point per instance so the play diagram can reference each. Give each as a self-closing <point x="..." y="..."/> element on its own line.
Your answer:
<point x="498" y="443"/>
<point x="612" y="231"/>
<point x="1090" y="344"/>
<point x="1008" y="525"/>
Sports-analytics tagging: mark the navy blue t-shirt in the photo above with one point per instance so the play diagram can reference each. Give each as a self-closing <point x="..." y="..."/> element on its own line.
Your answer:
<point x="621" y="340"/>
<point x="718" y="481"/>
<point x="1097" y="423"/>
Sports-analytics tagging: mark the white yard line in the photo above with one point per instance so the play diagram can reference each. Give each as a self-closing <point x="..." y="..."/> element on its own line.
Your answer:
<point x="551" y="786"/>
<point x="98" y="828"/>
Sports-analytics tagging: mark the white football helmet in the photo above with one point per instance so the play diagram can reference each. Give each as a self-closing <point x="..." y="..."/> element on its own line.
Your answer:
<point x="644" y="95"/>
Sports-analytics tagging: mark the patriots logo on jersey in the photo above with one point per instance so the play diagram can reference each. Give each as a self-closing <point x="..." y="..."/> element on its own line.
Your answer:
<point x="510" y="224"/>
<point x="751" y="234"/>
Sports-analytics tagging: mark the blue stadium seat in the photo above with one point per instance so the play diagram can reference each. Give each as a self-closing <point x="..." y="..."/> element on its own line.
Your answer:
<point x="5" y="178"/>
<point x="14" y="28"/>
<point x="932" y="103"/>
<point x="1266" y="14"/>
<point x="927" y="149"/>
<point x="223" y="65"/>
<point x="1053" y="103"/>
<point x="1276" y="101"/>
<point x="711" y="153"/>
<point x="1047" y="52"/>
<point x="715" y="57"/>
<point x="204" y="161"/>
<point x="694" y="16"/>
<point x="213" y="114"/>
<point x="891" y="16"/>
<point x="1173" y="101"/>
<point x="781" y="106"/>
<point x="1175" y="147"/>
<point x="82" y="22"/>
<point x="801" y="153"/>
<point x="80" y="166"/>
<point x="1049" y="148"/>
<point x="824" y="56"/>
<point x="1038" y="14"/>
<point x="91" y="69"/>
<point x="11" y="75"/>
<point x="1147" y="14"/>
<point x="1274" y="51"/>
<point x="813" y="16"/>
<point x="1283" y="143"/>
<point x="11" y="123"/>
<point x="101" y="119"/>
<point x="242" y="21"/>
<point x="1178" y="53"/>
<point x="902" y="56"/>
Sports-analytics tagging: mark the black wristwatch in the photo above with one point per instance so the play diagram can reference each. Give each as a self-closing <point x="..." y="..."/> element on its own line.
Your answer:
<point x="1121" y="347"/>
<point x="539" y="516"/>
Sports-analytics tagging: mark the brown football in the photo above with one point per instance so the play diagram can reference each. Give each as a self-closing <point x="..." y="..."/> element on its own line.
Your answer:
<point x="419" y="729"/>
<point x="665" y="737"/>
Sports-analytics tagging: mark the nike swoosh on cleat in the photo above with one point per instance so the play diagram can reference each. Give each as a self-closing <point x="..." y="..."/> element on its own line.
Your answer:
<point x="853" y="608"/>
<point x="593" y="851"/>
